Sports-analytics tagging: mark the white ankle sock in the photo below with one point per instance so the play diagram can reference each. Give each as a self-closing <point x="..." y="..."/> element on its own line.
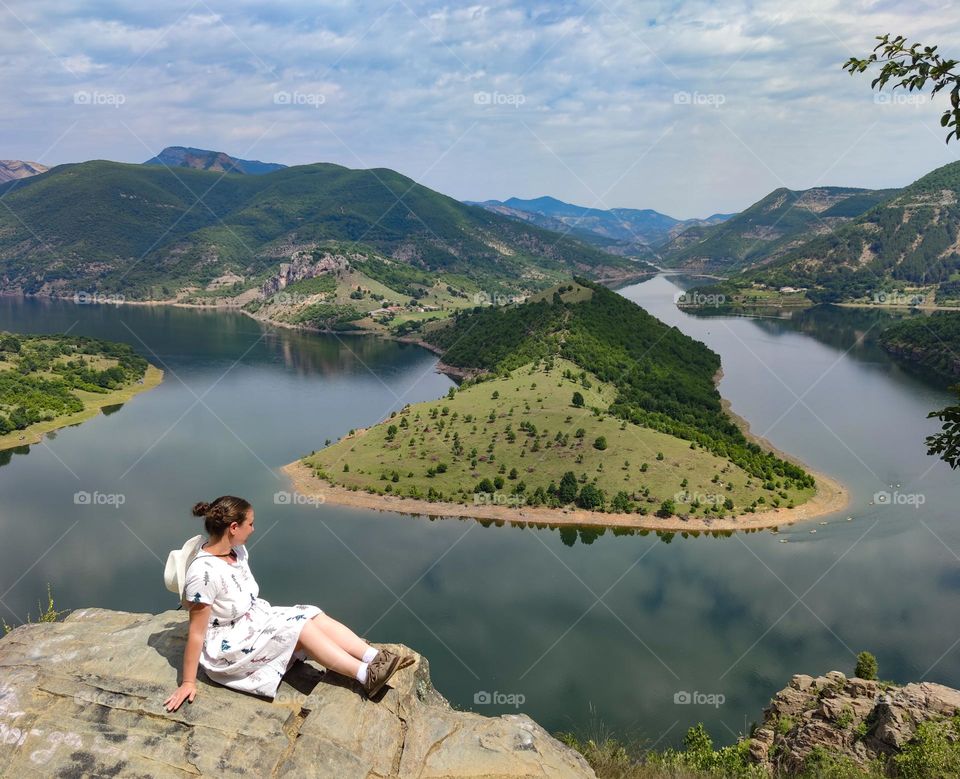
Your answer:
<point x="362" y="673"/>
<point x="370" y="654"/>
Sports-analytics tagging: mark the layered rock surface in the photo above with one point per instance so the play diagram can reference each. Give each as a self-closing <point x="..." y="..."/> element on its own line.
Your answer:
<point x="860" y="719"/>
<point x="85" y="698"/>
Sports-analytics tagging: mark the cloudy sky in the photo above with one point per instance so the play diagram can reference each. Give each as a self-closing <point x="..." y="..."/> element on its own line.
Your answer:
<point x="690" y="108"/>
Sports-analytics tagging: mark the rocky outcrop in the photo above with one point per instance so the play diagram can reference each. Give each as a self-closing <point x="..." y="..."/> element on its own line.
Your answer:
<point x="85" y="698"/>
<point x="303" y="265"/>
<point x="20" y="169"/>
<point x="854" y="718"/>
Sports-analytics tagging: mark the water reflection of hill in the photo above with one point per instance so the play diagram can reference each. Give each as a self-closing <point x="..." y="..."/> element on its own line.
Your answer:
<point x="307" y="354"/>
<point x="854" y="331"/>
<point x="161" y="332"/>
<point x="842" y="328"/>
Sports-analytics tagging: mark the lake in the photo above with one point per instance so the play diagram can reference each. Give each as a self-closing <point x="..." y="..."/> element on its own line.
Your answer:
<point x="639" y="636"/>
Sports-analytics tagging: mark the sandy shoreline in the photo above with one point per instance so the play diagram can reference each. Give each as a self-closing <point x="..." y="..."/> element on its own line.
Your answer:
<point x="830" y="497"/>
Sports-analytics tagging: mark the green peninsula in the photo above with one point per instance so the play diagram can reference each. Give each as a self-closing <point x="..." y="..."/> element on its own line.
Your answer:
<point x="577" y="403"/>
<point x="51" y="381"/>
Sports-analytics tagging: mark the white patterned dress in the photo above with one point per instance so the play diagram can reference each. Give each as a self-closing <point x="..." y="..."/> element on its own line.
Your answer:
<point x="249" y="644"/>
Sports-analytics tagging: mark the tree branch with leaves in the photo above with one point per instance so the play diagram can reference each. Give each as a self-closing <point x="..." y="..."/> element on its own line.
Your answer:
<point x="911" y="66"/>
<point x="946" y="443"/>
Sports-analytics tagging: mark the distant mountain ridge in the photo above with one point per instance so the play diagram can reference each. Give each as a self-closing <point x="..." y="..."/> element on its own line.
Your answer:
<point x="137" y="230"/>
<point x="204" y="159"/>
<point x="11" y="170"/>
<point x="769" y="228"/>
<point x="617" y="229"/>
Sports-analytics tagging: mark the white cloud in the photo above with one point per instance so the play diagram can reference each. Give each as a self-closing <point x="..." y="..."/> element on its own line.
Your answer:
<point x="597" y="86"/>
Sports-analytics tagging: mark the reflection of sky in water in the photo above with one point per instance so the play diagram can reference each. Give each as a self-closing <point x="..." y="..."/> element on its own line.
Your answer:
<point x="621" y="623"/>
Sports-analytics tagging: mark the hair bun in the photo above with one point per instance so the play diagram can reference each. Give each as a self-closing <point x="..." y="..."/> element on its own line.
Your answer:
<point x="219" y="514"/>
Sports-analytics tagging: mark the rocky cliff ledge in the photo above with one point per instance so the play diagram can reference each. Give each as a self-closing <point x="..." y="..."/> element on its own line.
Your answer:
<point x="84" y="697"/>
<point x="864" y="721"/>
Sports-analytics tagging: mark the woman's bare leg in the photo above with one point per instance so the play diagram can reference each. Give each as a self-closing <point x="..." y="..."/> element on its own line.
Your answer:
<point x="341" y="635"/>
<point x="324" y="650"/>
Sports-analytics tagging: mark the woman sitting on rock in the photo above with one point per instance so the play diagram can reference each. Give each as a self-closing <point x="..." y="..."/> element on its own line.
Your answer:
<point x="240" y="639"/>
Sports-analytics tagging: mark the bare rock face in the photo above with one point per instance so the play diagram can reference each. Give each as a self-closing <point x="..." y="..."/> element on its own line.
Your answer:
<point x="19" y="169"/>
<point x="856" y="718"/>
<point x="85" y="698"/>
<point x="302" y="266"/>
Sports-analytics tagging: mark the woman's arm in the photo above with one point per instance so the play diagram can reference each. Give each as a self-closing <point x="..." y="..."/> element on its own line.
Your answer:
<point x="199" y="619"/>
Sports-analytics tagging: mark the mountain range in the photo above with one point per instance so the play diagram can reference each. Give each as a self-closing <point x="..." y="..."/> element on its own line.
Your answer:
<point x="617" y="230"/>
<point x="147" y="231"/>
<point x="178" y="220"/>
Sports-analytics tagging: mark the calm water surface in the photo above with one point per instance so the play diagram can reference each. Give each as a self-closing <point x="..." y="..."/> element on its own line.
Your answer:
<point x="593" y="631"/>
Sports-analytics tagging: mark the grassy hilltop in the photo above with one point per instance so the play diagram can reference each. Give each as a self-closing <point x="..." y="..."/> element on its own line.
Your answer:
<point x="582" y="398"/>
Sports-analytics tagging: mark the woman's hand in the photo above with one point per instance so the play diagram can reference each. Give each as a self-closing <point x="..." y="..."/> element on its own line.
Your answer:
<point x="186" y="691"/>
<point x="199" y="618"/>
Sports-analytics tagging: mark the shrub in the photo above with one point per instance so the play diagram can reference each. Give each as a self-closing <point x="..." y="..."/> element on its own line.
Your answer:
<point x="667" y="509"/>
<point x="820" y="762"/>
<point x="784" y="725"/>
<point x="622" y="503"/>
<point x="866" y="666"/>
<point x="485" y="485"/>
<point x="845" y="718"/>
<point x="600" y="443"/>
<point x="591" y="497"/>
<point x="567" y="492"/>
<point x="50" y="614"/>
<point x="933" y="752"/>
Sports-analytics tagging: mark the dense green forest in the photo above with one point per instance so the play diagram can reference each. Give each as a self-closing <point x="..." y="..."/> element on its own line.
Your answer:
<point x="664" y="379"/>
<point x="930" y="341"/>
<point x="145" y="231"/>
<point x="39" y="375"/>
